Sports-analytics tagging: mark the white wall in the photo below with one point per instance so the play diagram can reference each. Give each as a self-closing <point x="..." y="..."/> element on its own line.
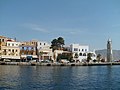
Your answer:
<point x="79" y="48"/>
<point x="42" y="45"/>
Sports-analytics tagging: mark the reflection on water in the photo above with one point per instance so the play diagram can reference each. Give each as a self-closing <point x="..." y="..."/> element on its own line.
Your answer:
<point x="59" y="78"/>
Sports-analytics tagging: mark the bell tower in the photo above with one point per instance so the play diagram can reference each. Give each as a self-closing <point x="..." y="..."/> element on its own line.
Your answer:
<point x="109" y="51"/>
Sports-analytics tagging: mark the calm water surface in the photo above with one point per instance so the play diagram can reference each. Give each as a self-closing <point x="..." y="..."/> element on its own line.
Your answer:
<point x="59" y="78"/>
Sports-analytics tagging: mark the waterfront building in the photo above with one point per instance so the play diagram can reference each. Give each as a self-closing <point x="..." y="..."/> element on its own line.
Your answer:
<point x="81" y="51"/>
<point x="109" y="51"/>
<point x="9" y="48"/>
<point x="44" y="51"/>
<point x="28" y="52"/>
<point x="3" y="41"/>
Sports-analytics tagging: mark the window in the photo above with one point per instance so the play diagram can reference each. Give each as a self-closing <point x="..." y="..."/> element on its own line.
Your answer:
<point x="16" y="50"/>
<point x="4" y="50"/>
<point x="40" y="43"/>
<point x="82" y="49"/>
<point x="44" y="43"/>
<point x="13" y="50"/>
<point x="8" y="44"/>
<point x="2" y="40"/>
<point x="84" y="54"/>
<point x="9" y="49"/>
<point x="86" y="50"/>
<point x="80" y="54"/>
<point x="79" y="49"/>
<point x="75" y="49"/>
<point x="12" y="44"/>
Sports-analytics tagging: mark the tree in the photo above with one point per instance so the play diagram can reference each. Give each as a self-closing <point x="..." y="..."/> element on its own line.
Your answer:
<point x="60" y="42"/>
<point x="57" y="43"/>
<point x="65" y="56"/>
<point x="98" y="57"/>
<point x="54" y="44"/>
<point x="89" y="55"/>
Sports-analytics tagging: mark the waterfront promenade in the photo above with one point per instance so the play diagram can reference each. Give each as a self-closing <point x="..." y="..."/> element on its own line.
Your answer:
<point x="59" y="64"/>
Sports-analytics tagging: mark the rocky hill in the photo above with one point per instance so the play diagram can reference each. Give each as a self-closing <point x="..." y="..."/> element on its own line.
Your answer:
<point x="116" y="53"/>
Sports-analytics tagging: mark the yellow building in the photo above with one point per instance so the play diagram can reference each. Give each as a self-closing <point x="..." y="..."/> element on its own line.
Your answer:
<point x="9" y="48"/>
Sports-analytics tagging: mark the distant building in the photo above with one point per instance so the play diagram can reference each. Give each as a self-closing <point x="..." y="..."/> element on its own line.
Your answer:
<point x="81" y="51"/>
<point x="109" y="51"/>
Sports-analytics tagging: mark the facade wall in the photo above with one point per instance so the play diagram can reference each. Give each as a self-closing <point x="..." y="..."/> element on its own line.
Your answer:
<point x="42" y="45"/>
<point x="10" y="52"/>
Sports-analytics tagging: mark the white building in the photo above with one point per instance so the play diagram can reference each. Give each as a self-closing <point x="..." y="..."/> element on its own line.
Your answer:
<point x="44" y="50"/>
<point x="82" y="51"/>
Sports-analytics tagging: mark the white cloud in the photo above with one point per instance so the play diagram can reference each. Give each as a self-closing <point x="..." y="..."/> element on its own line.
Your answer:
<point x="72" y="31"/>
<point x="35" y="27"/>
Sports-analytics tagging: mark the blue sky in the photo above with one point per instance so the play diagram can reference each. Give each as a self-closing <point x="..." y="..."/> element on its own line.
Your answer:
<point x="89" y="22"/>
